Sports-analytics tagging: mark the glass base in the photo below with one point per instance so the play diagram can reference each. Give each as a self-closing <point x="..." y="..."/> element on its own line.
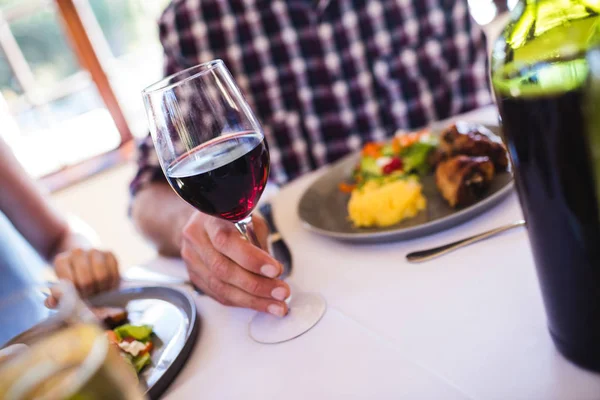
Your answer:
<point x="585" y="356"/>
<point x="306" y="309"/>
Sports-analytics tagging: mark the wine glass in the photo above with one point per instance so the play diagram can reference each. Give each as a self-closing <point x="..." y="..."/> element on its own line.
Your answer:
<point x="213" y="152"/>
<point x="61" y="353"/>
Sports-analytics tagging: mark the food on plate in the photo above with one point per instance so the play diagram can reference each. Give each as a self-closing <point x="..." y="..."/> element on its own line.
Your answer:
<point x="463" y="179"/>
<point x="134" y="343"/>
<point x="386" y="203"/>
<point x="385" y="188"/>
<point x="110" y="316"/>
<point x="467" y="160"/>
<point x="385" y="185"/>
<point x="463" y="138"/>
<point x="405" y="155"/>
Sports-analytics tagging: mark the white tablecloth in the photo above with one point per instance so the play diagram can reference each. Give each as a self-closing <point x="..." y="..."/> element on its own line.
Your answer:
<point x="469" y="325"/>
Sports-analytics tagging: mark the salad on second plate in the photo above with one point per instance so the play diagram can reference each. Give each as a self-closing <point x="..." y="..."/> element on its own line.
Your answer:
<point x="385" y="187"/>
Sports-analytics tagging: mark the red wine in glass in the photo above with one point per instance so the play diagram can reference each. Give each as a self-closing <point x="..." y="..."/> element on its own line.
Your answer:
<point x="224" y="177"/>
<point x="219" y="174"/>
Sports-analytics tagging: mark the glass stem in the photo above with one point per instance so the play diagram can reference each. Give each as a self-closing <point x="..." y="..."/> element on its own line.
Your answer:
<point x="246" y="228"/>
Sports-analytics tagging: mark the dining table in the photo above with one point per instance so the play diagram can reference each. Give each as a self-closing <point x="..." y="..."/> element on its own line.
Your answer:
<point x="467" y="325"/>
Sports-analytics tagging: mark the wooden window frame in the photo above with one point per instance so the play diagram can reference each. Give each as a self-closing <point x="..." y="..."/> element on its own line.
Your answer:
<point x="89" y="46"/>
<point x="88" y="58"/>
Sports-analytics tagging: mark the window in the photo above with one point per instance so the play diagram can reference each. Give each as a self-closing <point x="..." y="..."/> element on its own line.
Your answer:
<point x="129" y="30"/>
<point x="54" y="113"/>
<point x="484" y="11"/>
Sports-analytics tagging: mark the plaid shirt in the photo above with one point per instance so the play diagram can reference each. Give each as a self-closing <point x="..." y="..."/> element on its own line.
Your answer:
<point x="324" y="77"/>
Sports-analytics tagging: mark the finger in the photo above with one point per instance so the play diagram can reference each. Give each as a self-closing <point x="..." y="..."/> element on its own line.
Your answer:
<point x="189" y="255"/>
<point x="83" y="272"/>
<point x="195" y="271"/>
<point x="51" y="302"/>
<point x="226" y="270"/>
<point x="53" y="299"/>
<point x="100" y="269"/>
<point x="201" y="285"/>
<point x="229" y="242"/>
<point x="230" y="295"/>
<point x="193" y="265"/>
<point x="56" y="293"/>
<point x="261" y="229"/>
<point x="113" y="267"/>
<point x="239" y="298"/>
<point x="63" y="267"/>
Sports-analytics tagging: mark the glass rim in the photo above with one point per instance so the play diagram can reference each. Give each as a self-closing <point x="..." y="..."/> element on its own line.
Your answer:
<point x="167" y="83"/>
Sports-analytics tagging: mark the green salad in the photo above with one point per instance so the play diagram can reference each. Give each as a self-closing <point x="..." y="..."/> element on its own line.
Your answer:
<point x="134" y="343"/>
<point x="406" y="154"/>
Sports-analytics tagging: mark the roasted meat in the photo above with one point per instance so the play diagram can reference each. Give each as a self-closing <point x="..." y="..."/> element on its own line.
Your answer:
<point x="472" y="140"/>
<point x="463" y="179"/>
<point x="110" y="316"/>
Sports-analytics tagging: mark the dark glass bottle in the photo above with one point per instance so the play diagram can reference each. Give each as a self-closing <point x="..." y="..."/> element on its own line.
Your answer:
<point x="546" y="97"/>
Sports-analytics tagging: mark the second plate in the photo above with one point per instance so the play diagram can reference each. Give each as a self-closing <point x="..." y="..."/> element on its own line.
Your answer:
<point x="323" y="208"/>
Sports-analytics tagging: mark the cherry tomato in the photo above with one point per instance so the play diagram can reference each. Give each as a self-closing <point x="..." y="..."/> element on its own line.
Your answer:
<point x="394" y="165"/>
<point x="148" y="348"/>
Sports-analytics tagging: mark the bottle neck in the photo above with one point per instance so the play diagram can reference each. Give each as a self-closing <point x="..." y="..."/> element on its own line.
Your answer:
<point x="534" y="18"/>
<point x="567" y="7"/>
<point x="536" y="2"/>
<point x="564" y="3"/>
<point x="546" y="32"/>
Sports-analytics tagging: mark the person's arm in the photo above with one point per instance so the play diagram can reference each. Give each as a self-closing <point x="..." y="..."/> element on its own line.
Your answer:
<point x="27" y="208"/>
<point x="33" y="215"/>
<point x="160" y="215"/>
<point x="219" y="261"/>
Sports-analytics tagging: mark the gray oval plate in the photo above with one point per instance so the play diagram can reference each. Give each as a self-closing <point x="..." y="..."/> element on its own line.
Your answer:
<point x="323" y="208"/>
<point x="174" y="318"/>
